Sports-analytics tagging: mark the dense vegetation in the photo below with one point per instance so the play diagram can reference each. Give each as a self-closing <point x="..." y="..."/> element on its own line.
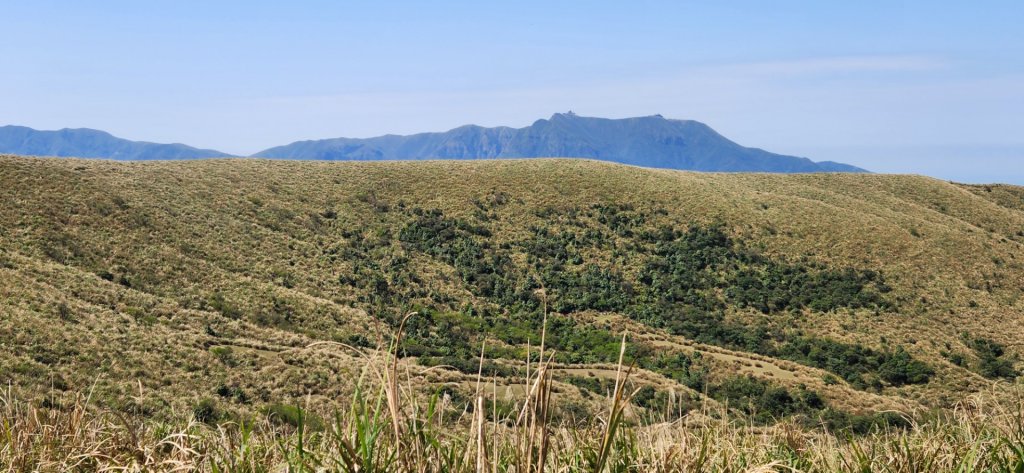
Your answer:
<point x="687" y="280"/>
<point x="855" y="363"/>
<point x="993" y="361"/>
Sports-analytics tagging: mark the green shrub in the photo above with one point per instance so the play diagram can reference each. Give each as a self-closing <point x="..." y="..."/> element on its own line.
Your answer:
<point x="206" y="411"/>
<point x="225" y="354"/>
<point x="992" y="362"/>
<point x="855" y="362"/>
<point x="592" y="384"/>
<point x="64" y="312"/>
<point x="294" y="416"/>
<point x="763" y="401"/>
<point x="220" y="304"/>
<point x="233" y="392"/>
<point x="900" y="368"/>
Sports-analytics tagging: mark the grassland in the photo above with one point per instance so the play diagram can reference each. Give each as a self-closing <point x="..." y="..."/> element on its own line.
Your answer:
<point x="230" y="290"/>
<point x="382" y="431"/>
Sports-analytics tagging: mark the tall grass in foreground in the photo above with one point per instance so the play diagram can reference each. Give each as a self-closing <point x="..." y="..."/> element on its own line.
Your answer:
<point x="387" y="428"/>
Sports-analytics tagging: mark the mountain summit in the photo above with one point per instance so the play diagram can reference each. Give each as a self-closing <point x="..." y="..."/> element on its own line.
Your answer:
<point x="652" y="141"/>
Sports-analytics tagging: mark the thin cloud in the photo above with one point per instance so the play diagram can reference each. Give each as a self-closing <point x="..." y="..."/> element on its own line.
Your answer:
<point x="833" y="65"/>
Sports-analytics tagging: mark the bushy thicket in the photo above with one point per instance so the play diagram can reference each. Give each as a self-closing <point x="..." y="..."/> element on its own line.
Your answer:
<point x="700" y="268"/>
<point x="683" y="281"/>
<point x="856" y="363"/>
<point x="993" y="361"/>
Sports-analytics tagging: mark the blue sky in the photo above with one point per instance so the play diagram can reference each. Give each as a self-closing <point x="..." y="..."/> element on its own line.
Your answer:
<point x="932" y="88"/>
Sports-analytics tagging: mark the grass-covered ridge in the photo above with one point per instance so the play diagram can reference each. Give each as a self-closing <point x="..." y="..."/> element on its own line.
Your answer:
<point x="223" y="284"/>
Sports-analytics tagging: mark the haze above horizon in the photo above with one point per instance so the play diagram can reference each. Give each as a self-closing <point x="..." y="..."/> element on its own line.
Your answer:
<point x="932" y="88"/>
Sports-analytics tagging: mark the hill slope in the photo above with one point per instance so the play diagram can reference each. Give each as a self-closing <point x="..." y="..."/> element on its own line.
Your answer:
<point x="643" y="141"/>
<point x="824" y="296"/>
<point x="87" y="143"/>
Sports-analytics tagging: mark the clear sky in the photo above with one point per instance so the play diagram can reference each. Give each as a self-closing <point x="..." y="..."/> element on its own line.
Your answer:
<point x="930" y="87"/>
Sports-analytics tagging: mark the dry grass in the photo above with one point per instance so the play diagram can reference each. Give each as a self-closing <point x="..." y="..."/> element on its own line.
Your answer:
<point x="395" y="431"/>
<point x="254" y="233"/>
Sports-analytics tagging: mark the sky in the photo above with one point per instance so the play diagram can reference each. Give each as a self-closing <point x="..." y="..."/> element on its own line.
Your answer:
<point x="931" y="87"/>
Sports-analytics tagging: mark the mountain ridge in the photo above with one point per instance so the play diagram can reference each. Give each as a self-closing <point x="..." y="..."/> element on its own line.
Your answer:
<point x="91" y="143"/>
<point x="649" y="141"/>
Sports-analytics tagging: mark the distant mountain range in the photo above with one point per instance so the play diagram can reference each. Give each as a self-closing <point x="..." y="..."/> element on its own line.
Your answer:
<point x="87" y="143"/>
<point x="651" y="141"/>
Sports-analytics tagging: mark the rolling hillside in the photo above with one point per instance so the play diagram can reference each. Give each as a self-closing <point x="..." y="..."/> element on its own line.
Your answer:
<point x="161" y="285"/>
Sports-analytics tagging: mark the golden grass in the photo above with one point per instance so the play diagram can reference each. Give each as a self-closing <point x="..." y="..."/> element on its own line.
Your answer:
<point x="246" y="229"/>
<point x="395" y="431"/>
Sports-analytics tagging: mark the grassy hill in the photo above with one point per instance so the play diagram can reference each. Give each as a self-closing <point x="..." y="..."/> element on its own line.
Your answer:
<point x="243" y="285"/>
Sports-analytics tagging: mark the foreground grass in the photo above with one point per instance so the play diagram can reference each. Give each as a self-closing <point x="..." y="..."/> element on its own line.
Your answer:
<point x="388" y="428"/>
<point x="976" y="438"/>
